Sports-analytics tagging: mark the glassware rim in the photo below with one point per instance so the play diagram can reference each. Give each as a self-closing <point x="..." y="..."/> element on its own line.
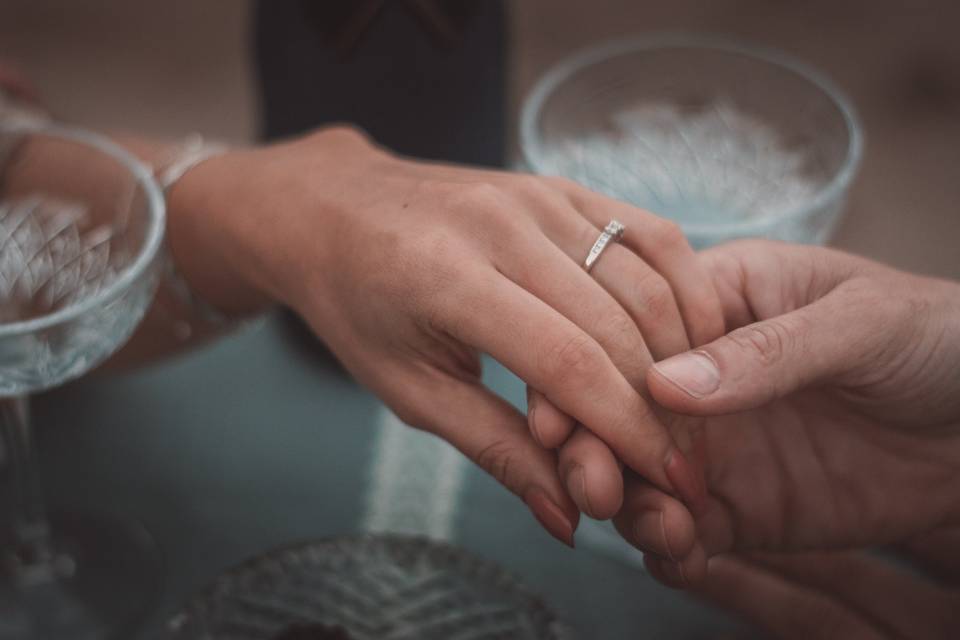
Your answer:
<point x="156" y="211"/>
<point x="555" y="76"/>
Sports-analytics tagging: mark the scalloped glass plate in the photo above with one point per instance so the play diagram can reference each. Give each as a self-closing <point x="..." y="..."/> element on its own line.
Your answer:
<point x="381" y="587"/>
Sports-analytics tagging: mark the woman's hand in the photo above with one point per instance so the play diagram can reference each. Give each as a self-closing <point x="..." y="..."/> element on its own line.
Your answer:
<point x="409" y="270"/>
<point x="832" y="411"/>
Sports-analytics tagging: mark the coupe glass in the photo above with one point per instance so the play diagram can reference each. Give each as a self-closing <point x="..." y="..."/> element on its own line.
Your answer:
<point x="81" y="225"/>
<point x="727" y="140"/>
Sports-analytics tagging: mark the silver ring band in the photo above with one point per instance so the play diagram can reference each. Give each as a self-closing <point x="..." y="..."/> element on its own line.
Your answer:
<point x="612" y="232"/>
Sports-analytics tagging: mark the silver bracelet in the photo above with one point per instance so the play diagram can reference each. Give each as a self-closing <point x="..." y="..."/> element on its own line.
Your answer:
<point x="190" y="154"/>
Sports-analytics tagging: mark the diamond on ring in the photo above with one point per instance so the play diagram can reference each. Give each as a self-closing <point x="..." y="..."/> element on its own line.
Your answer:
<point x="615" y="229"/>
<point x="611" y="233"/>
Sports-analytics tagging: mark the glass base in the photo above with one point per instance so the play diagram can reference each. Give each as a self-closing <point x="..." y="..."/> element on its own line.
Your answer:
<point x="101" y="583"/>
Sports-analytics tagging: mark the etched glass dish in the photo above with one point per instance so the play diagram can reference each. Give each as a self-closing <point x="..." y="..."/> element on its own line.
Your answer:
<point x="729" y="141"/>
<point x="81" y="226"/>
<point x="371" y="587"/>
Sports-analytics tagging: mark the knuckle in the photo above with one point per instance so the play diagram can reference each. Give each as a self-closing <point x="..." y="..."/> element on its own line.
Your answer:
<point x="622" y="331"/>
<point x="437" y="265"/>
<point x="573" y="358"/>
<point x="509" y="223"/>
<point x="633" y="431"/>
<point x="668" y="233"/>
<point x="340" y="132"/>
<point x="529" y="183"/>
<point x="623" y="342"/>
<point x="656" y="294"/>
<point x="498" y="459"/>
<point x="572" y="190"/>
<point x="488" y="210"/>
<point x="562" y="183"/>
<point x="411" y="413"/>
<point x="436" y="188"/>
<point x="537" y="196"/>
<point x="767" y="341"/>
<point x="439" y="259"/>
<point x="474" y="197"/>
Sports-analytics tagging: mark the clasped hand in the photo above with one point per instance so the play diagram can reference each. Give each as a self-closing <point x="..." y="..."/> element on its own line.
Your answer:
<point x="831" y="427"/>
<point x="818" y="410"/>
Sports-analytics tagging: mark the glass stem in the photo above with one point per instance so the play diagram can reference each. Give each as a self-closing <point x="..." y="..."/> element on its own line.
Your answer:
<point x="31" y="559"/>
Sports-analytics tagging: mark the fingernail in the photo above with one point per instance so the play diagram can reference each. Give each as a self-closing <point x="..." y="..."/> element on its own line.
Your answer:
<point x="652" y="520"/>
<point x="531" y="413"/>
<point x="550" y="515"/>
<point x="695" y="373"/>
<point x="685" y="481"/>
<point x="576" y="482"/>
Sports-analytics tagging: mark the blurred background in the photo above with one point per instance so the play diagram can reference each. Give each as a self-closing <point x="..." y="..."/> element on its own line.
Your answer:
<point x="174" y="66"/>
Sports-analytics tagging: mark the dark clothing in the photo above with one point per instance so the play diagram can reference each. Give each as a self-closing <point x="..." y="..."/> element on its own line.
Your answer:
<point x="413" y="88"/>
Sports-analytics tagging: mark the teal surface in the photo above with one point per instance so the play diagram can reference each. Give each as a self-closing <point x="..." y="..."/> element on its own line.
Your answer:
<point x="257" y="442"/>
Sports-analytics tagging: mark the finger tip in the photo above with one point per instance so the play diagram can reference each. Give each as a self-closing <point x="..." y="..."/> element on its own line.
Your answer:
<point x="595" y="489"/>
<point x="550" y="438"/>
<point x="605" y="488"/>
<point x="666" y="530"/>
<point x="558" y="521"/>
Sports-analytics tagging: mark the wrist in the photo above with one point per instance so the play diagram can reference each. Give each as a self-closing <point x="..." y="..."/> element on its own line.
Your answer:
<point x="203" y="225"/>
<point x="261" y="225"/>
<point x="195" y="231"/>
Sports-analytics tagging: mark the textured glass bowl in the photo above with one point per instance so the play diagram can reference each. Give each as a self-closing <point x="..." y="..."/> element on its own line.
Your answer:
<point x="727" y="140"/>
<point x="372" y="587"/>
<point x="81" y="225"/>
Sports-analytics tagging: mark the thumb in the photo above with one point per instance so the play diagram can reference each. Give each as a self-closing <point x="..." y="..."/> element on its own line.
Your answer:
<point x="767" y="360"/>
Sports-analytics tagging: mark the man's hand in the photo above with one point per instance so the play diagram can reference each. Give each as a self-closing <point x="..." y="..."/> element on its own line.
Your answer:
<point x="823" y="596"/>
<point x="832" y="411"/>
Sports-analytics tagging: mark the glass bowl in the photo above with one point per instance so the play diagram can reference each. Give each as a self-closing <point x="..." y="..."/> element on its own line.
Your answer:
<point x="727" y="140"/>
<point x="81" y="228"/>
